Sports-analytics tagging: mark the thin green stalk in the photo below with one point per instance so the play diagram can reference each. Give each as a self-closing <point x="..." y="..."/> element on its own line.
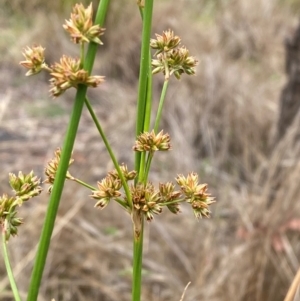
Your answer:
<point x="149" y="87"/>
<point x="144" y="70"/>
<point x="156" y="126"/>
<point x="147" y="120"/>
<point x="142" y="122"/>
<point x="83" y="183"/>
<point x="149" y="100"/>
<point x="123" y="204"/>
<point x="175" y="201"/>
<point x="161" y="104"/>
<point x="110" y="151"/>
<point x="47" y="230"/>
<point x="142" y="168"/>
<point x="137" y="265"/>
<point x="92" y="50"/>
<point x="148" y="164"/>
<point x="9" y="269"/>
<point x="81" y="55"/>
<point x="51" y="213"/>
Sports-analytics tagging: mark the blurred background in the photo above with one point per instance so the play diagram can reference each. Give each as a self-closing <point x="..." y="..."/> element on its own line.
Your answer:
<point x="236" y="123"/>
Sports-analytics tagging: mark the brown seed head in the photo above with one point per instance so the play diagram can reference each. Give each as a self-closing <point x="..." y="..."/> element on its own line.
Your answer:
<point x="108" y="189"/>
<point x="170" y="58"/>
<point x="152" y="142"/>
<point x="80" y="26"/>
<point x="195" y="194"/>
<point x="52" y="166"/>
<point x="167" y="194"/>
<point x="34" y="59"/>
<point x="146" y="200"/>
<point x="165" y="42"/>
<point x="67" y="73"/>
<point x="128" y="175"/>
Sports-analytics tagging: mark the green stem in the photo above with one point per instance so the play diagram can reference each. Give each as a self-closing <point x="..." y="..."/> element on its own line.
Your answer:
<point x="173" y="202"/>
<point x="123" y="204"/>
<point x="83" y="183"/>
<point x="142" y="123"/>
<point x="110" y="151"/>
<point x="55" y="196"/>
<point x="81" y="55"/>
<point x="9" y="269"/>
<point x="47" y="230"/>
<point x="148" y="101"/>
<point x="142" y="168"/>
<point x="144" y="70"/>
<point x="137" y="264"/>
<point x="148" y="164"/>
<point x="161" y="103"/>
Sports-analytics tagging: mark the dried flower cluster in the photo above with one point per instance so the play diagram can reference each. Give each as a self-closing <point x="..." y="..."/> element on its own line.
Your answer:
<point x="148" y="200"/>
<point x="34" y="59"/>
<point x="80" y="26"/>
<point x="24" y="187"/>
<point x="69" y="71"/>
<point x="52" y="167"/>
<point x="109" y="187"/>
<point x="195" y="194"/>
<point x="151" y="142"/>
<point x="170" y="57"/>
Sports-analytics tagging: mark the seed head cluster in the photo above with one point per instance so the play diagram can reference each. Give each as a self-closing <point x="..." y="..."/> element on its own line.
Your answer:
<point x="147" y="200"/>
<point x="171" y="58"/>
<point x="151" y="142"/>
<point x="24" y="187"/>
<point x="195" y="194"/>
<point x="34" y="59"/>
<point x="52" y="167"/>
<point x="80" y="26"/>
<point x="68" y="72"/>
<point x="109" y="187"/>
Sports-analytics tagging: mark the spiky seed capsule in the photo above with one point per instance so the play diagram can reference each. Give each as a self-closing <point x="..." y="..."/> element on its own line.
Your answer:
<point x="195" y="194"/>
<point x="108" y="189"/>
<point x="52" y="167"/>
<point x="167" y="194"/>
<point x="25" y="186"/>
<point x="34" y="59"/>
<point x="128" y="175"/>
<point x="152" y="142"/>
<point x="67" y="73"/>
<point x="170" y="58"/>
<point x="146" y="200"/>
<point x="165" y="42"/>
<point x="80" y="26"/>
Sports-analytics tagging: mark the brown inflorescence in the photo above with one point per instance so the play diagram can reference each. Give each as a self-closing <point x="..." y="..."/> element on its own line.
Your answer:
<point x="170" y="57"/>
<point x="196" y="194"/>
<point x="80" y="26"/>
<point x="151" y="142"/>
<point x="52" y="167"/>
<point x="34" y="59"/>
<point x="68" y="73"/>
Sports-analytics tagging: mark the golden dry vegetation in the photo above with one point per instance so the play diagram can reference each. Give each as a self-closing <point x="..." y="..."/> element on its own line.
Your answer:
<point x="222" y="124"/>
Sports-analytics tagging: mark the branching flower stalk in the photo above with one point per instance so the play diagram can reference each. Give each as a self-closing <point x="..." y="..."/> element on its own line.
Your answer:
<point x="131" y="189"/>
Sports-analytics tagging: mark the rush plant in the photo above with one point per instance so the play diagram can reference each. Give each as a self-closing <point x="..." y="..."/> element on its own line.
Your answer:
<point x="130" y="188"/>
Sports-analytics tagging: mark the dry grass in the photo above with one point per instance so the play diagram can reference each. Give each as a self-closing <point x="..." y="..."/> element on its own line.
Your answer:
<point x="222" y="125"/>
